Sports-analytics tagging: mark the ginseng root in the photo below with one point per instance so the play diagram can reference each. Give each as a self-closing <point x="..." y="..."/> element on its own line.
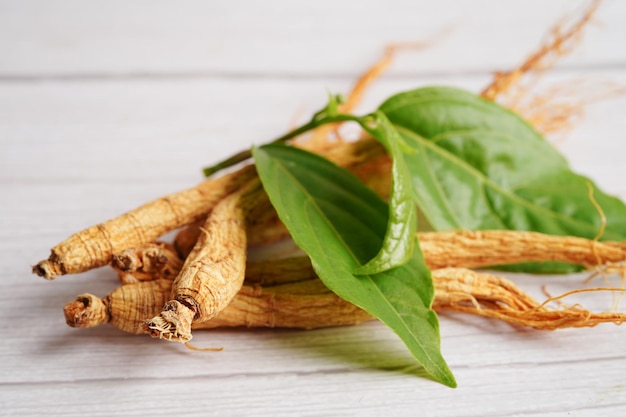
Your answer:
<point x="308" y="304"/>
<point x="126" y="308"/>
<point x="95" y="246"/>
<point x="213" y="272"/>
<point x="473" y="249"/>
<point x="486" y="295"/>
<point x="479" y="249"/>
<point x="305" y="304"/>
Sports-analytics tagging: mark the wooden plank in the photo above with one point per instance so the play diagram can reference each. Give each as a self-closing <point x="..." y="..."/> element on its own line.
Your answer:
<point x="350" y="393"/>
<point x="279" y="38"/>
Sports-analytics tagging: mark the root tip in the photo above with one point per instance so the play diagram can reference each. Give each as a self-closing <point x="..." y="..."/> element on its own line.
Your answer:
<point x="159" y="328"/>
<point x="173" y="324"/>
<point x="125" y="261"/>
<point x="45" y="269"/>
<point x="86" y="311"/>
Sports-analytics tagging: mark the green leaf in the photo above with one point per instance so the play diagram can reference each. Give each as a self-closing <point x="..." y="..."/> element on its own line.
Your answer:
<point x="478" y="166"/>
<point x="341" y="224"/>
<point x="397" y="246"/>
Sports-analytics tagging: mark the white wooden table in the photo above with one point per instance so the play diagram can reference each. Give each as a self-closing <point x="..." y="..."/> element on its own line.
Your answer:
<point x="106" y="105"/>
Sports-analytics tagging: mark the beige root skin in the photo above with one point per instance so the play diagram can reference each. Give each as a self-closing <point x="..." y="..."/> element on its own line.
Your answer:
<point x="499" y="247"/>
<point x="279" y="271"/>
<point x="214" y="271"/>
<point x="308" y="304"/>
<point x="261" y="232"/>
<point x="486" y="295"/>
<point x="164" y="263"/>
<point x="87" y="311"/>
<point x="126" y="308"/>
<point x="186" y="239"/>
<point x="95" y="246"/>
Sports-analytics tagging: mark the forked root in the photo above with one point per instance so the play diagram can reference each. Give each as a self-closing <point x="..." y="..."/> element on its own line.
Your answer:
<point x="486" y="295"/>
<point x="147" y="262"/>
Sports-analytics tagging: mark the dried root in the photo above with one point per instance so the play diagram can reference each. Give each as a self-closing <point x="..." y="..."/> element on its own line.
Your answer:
<point x="126" y="308"/>
<point x="479" y="249"/>
<point x="213" y="272"/>
<point x="186" y="238"/>
<point x="89" y="311"/>
<point x="95" y="246"/>
<point x="487" y="295"/>
<point x="306" y="303"/>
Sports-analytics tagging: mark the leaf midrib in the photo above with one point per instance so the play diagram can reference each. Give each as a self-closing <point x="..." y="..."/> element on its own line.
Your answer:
<point x="311" y="201"/>
<point x="476" y="131"/>
<point x="487" y="182"/>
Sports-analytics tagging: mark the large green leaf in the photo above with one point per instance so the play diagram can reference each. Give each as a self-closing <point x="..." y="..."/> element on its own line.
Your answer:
<point x="341" y="225"/>
<point x="477" y="165"/>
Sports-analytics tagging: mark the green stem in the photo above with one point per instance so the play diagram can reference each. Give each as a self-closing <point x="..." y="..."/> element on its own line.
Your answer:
<point x="313" y="124"/>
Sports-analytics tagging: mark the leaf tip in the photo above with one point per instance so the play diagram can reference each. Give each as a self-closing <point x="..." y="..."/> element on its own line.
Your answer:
<point x="450" y="381"/>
